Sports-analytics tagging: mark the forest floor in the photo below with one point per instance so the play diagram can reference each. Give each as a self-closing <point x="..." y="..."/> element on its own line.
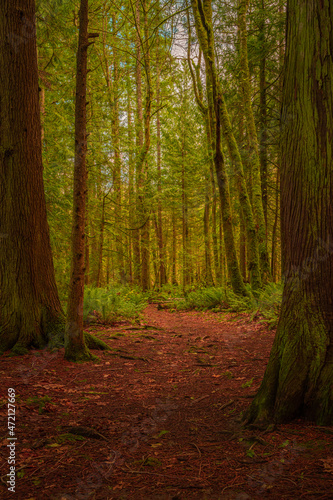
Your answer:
<point x="157" y="417"/>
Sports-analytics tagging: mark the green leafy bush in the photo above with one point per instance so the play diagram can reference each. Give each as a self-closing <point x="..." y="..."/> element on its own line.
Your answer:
<point x="266" y="305"/>
<point x="113" y="304"/>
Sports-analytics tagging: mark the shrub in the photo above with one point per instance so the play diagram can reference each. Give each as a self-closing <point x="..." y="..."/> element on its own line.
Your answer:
<point x="113" y="304"/>
<point x="266" y="305"/>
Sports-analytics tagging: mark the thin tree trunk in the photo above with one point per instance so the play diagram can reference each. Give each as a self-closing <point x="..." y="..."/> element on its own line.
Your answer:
<point x="145" y="235"/>
<point x="75" y="348"/>
<point x="242" y="248"/>
<point x="117" y="183"/>
<point x="86" y="246"/>
<point x="131" y="218"/>
<point x="174" y="248"/>
<point x="186" y="278"/>
<point x="99" y="279"/>
<point x="263" y="138"/>
<point x="161" y="251"/>
<point x="274" y="231"/>
<point x="254" y="144"/>
<point x="209" y="281"/>
<point x="139" y="146"/>
<point x="217" y="111"/>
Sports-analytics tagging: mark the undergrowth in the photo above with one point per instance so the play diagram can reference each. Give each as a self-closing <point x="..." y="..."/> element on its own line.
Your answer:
<point x="109" y="305"/>
<point x="112" y="304"/>
<point x="266" y="305"/>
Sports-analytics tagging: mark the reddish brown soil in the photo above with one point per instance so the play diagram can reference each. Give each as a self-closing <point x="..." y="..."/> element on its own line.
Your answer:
<point x="165" y="405"/>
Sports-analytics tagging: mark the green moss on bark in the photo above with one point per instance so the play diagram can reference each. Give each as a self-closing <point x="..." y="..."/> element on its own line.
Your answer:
<point x="93" y="342"/>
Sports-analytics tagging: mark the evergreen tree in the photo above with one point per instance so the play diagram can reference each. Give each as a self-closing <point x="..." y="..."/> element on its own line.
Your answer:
<point x="30" y="310"/>
<point x="299" y="376"/>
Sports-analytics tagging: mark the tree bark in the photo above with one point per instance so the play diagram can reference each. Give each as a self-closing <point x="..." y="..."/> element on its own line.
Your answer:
<point x="161" y="252"/>
<point x="145" y="232"/>
<point x="263" y="136"/>
<point x="174" y="248"/>
<point x="75" y="347"/>
<point x="30" y="310"/>
<point x="299" y="376"/>
<point x="218" y="118"/>
<point x="254" y="156"/>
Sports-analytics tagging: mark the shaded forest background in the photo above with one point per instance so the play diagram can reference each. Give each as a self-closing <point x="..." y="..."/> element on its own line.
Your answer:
<point x="154" y="215"/>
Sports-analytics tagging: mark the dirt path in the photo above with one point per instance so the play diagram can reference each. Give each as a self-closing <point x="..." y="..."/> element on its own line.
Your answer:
<point x="157" y="417"/>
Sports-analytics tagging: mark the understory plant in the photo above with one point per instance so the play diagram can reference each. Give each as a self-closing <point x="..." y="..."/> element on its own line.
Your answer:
<point x="112" y="304"/>
<point x="266" y="305"/>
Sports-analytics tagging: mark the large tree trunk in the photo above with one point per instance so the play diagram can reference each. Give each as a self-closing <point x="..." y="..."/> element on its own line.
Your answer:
<point x="30" y="310"/>
<point x="75" y="348"/>
<point x="299" y="376"/>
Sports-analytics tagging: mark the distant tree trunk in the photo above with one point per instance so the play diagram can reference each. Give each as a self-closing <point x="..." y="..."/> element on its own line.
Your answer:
<point x="186" y="271"/>
<point x="275" y="229"/>
<point x="145" y="233"/>
<point x="299" y="377"/>
<point x="263" y="137"/>
<point x="139" y="146"/>
<point x="111" y="73"/>
<point x="30" y="310"/>
<point x="174" y="249"/>
<point x="86" y="247"/>
<point x="254" y="159"/>
<point x="242" y="248"/>
<point x="218" y="276"/>
<point x="161" y="250"/>
<point x="209" y="281"/>
<point x="99" y="278"/>
<point x="75" y="348"/>
<point x="217" y="112"/>
<point x="42" y="113"/>
<point x="131" y="218"/>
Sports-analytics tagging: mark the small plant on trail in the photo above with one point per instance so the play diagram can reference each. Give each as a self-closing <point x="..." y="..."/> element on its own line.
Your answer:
<point x="41" y="402"/>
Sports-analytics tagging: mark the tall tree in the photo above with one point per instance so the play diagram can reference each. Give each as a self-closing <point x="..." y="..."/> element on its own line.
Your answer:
<point x="75" y="347"/>
<point x="299" y="376"/>
<point x="255" y="158"/>
<point x="220" y="122"/>
<point x="30" y="310"/>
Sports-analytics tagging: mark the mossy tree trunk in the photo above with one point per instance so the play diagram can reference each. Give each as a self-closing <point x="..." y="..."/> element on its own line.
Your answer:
<point x="75" y="347"/>
<point x="143" y="157"/>
<point x="216" y="111"/>
<point x="30" y="310"/>
<point x="254" y="157"/>
<point x="139" y="146"/>
<point x="162" y="277"/>
<point x="299" y="377"/>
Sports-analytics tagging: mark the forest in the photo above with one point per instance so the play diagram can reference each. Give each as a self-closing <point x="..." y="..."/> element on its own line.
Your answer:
<point x="166" y="249"/>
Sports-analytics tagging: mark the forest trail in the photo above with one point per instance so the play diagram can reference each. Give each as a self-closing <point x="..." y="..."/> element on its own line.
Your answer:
<point x="158" y="417"/>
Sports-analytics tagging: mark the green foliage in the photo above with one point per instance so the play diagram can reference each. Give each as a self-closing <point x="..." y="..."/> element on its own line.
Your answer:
<point x="247" y="384"/>
<point x="266" y="305"/>
<point x="167" y="292"/>
<point x="113" y="304"/>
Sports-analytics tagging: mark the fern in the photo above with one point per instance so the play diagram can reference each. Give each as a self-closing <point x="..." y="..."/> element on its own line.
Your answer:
<point x="113" y="304"/>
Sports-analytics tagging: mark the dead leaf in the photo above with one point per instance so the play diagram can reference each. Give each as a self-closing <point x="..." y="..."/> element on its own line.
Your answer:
<point x="328" y="464"/>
